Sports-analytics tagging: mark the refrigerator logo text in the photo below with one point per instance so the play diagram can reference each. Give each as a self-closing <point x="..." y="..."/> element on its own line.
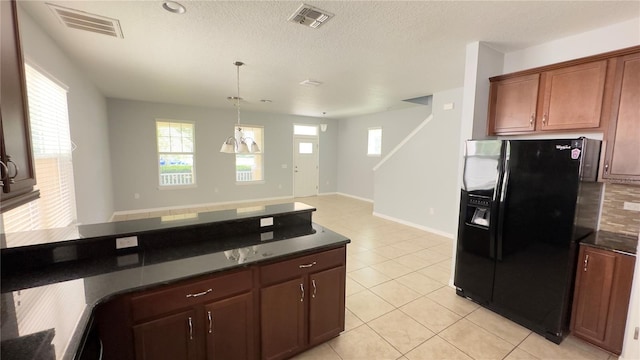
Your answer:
<point x="563" y="147"/>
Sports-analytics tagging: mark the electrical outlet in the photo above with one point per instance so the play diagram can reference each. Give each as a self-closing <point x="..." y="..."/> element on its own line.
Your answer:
<point x="126" y="242"/>
<point x="633" y="206"/>
<point x="266" y="222"/>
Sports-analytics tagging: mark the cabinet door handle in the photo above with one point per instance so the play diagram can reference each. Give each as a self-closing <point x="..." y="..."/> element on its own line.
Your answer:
<point x="544" y="120"/>
<point x="606" y="168"/>
<point x="532" y="118"/>
<point x="12" y="179"/>
<point x="210" y="322"/>
<point x="4" y="172"/>
<point x="306" y="265"/>
<point x="190" y="328"/>
<point x="200" y="293"/>
<point x="586" y="262"/>
<point x="301" y="293"/>
<point x="313" y="282"/>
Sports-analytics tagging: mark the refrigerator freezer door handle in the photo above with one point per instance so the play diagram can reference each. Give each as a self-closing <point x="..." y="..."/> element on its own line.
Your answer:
<point x="501" y="207"/>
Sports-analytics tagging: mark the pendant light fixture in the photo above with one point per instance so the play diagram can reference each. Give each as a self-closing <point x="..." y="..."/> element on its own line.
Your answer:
<point x="239" y="144"/>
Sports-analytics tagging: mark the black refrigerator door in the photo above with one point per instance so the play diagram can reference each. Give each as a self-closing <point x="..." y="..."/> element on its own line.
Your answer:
<point x="535" y="253"/>
<point x="475" y="255"/>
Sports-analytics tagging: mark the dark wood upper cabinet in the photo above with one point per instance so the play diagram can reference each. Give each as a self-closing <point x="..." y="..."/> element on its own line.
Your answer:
<point x="622" y="156"/>
<point x="572" y="97"/>
<point x="514" y="104"/>
<point x="17" y="170"/>
<point x="569" y="96"/>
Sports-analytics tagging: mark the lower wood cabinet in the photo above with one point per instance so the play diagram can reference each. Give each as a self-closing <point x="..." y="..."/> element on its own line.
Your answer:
<point x="270" y="311"/>
<point x="169" y="337"/>
<point x="601" y="298"/>
<point x="302" y="303"/>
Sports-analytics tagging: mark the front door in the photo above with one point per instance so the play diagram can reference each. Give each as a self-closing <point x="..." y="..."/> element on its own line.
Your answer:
<point x="305" y="166"/>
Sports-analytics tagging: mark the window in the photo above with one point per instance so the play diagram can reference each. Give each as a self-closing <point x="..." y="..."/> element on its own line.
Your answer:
<point x="374" y="147"/>
<point x="176" y="151"/>
<point x="49" y="121"/>
<point x="309" y="130"/>
<point x="249" y="167"/>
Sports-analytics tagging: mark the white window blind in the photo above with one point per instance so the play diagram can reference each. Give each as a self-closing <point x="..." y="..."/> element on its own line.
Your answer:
<point x="49" y="120"/>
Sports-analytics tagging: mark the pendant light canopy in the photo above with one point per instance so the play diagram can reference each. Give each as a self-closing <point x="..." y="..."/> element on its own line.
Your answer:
<point x="239" y="144"/>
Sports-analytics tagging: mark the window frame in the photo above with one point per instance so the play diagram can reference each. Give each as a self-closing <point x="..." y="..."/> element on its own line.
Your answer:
<point x="369" y="140"/>
<point x="194" y="183"/>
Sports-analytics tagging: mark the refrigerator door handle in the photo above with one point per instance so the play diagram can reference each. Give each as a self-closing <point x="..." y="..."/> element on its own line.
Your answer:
<point x="501" y="204"/>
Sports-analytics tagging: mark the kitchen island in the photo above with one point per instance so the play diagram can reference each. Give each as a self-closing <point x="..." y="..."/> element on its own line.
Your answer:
<point x="52" y="290"/>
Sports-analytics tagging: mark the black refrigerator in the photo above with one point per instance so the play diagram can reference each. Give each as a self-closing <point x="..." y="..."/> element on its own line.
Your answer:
<point x="525" y="205"/>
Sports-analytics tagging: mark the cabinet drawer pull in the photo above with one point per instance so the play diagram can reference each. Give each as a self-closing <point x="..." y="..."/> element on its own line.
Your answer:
<point x="301" y="293"/>
<point x="313" y="282"/>
<point x="307" y="265"/>
<point x="12" y="179"/>
<point x="200" y="293"/>
<point x="586" y="262"/>
<point x="544" y="120"/>
<point x="533" y="117"/>
<point x="190" y="328"/>
<point x="210" y="322"/>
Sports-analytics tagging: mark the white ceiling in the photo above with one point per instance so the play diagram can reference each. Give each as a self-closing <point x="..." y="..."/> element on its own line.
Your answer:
<point x="370" y="56"/>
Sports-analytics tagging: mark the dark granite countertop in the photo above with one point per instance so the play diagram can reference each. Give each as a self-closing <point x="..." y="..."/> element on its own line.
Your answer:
<point x="73" y="289"/>
<point x="145" y="226"/>
<point x="613" y="241"/>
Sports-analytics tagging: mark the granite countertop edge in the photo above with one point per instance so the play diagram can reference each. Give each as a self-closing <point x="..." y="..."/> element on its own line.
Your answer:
<point x="617" y="242"/>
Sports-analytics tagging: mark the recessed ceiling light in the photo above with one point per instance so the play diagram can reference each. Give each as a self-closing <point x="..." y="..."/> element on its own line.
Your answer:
<point x="310" y="82"/>
<point x="174" y="7"/>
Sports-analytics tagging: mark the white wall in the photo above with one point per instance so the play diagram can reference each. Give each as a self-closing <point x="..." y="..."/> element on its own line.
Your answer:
<point x="608" y="38"/>
<point x="134" y="155"/>
<point x="416" y="185"/>
<point x="355" y="174"/>
<point x="87" y="120"/>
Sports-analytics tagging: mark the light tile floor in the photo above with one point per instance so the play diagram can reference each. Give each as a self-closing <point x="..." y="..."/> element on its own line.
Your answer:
<point x="399" y="304"/>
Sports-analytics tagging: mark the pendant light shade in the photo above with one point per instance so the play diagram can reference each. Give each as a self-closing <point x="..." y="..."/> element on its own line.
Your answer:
<point x="239" y="144"/>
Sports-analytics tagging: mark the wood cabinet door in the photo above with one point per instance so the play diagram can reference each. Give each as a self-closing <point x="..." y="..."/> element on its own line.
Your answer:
<point x="594" y="281"/>
<point x="622" y="158"/>
<point x="229" y="328"/>
<point x="168" y="338"/>
<point x="326" y="304"/>
<point x="513" y="103"/>
<point x="572" y="97"/>
<point x="282" y="315"/>
<point x="15" y="144"/>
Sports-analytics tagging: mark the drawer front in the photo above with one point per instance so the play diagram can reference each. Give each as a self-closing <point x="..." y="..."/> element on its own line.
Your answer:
<point x="288" y="269"/>
<point x="182" y="295"/>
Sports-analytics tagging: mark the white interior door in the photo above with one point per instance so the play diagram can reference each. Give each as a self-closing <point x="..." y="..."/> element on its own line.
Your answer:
<point x="305" y="166"/>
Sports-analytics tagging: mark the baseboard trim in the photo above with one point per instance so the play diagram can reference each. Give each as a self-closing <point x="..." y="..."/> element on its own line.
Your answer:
<point x="417" y="226"/>
<point x="355" y="197"/>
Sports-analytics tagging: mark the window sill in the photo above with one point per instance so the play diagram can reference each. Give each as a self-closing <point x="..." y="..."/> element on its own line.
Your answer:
<point x="243" y="183"/>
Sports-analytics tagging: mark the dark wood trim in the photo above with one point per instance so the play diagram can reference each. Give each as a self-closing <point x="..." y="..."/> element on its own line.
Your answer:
<point x="597" y="57"/>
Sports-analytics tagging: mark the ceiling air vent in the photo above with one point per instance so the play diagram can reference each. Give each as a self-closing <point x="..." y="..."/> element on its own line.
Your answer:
<point x="81" y="20"/>
<point x="310" y="16"/>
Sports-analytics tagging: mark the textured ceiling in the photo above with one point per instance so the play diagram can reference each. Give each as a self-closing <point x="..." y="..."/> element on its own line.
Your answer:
<point x="370" y="56"/>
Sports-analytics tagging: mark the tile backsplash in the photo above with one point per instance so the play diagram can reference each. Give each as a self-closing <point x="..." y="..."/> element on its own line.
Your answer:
<point x="614" y="217"/>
